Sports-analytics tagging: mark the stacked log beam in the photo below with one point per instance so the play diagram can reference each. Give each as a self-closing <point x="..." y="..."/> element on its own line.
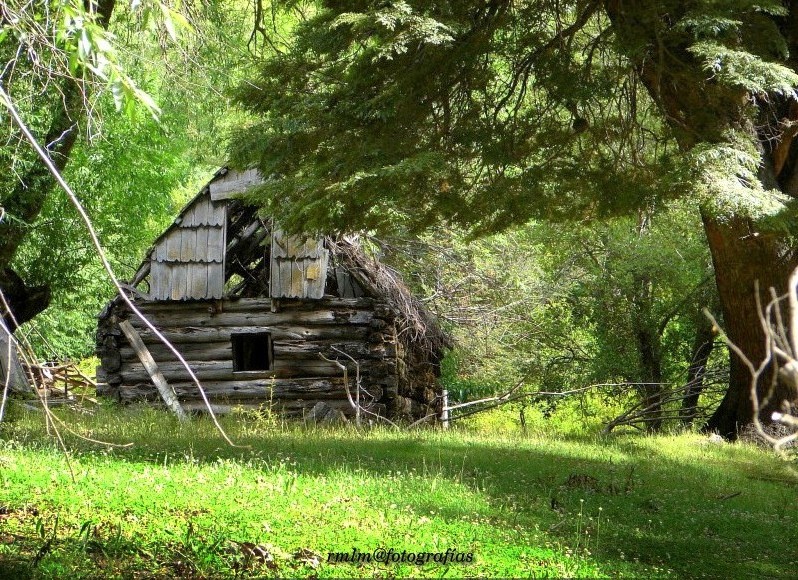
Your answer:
<point x="301" y="331"/>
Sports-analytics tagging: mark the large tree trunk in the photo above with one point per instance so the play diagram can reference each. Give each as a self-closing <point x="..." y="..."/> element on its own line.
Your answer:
<point x="743" y="259"/>
<point x="24" y="203"/>
<point x="700" y="110"/>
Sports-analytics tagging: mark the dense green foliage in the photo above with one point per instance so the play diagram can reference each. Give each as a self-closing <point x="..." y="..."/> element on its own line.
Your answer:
<point x="179" y="503"/>
<point x="403" y="114"/>
<point x="131" y="171"/>
<point x="125" y="183"/>
<point x="561" y="307"/>
<point x="400" y="115"/>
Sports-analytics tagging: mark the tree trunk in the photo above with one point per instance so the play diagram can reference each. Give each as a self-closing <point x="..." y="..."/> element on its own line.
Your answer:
<point x="25" y="201"/>
<point x="649" y="349"/>
<point x="651" y="377"/>
<point x="25" y="301"/>
<point x="701" y="110"/>
<point x="703" y="345"/>
<point x="12" y="375"/>
<point x="743" y="259"/>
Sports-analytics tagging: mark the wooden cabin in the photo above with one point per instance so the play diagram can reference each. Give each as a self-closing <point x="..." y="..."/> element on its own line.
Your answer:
<point x="265" y="318"/>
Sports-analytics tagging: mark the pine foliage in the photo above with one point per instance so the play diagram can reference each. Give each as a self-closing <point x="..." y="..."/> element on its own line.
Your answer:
<point x="399" y="115"/>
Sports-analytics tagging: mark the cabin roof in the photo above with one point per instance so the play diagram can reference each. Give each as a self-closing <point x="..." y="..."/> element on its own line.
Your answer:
<point x="218" y="212"/>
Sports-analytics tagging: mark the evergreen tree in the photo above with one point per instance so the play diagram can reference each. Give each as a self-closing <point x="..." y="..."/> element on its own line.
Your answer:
<point x="400" y="114"/>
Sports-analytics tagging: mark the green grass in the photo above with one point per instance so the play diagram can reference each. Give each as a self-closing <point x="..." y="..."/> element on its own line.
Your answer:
<point x="180" y="503"/>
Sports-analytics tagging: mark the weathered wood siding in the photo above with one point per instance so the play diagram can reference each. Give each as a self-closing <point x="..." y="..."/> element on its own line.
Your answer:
<point x="348" y="287"/>
<point x="234" y="182"/>
<point x="187" y="262"/>
<point x="300" y="331"/>
<point x="298" y="266"/>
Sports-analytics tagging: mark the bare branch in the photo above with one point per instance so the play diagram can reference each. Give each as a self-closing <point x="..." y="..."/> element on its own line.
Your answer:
<point x="9" y="105"/>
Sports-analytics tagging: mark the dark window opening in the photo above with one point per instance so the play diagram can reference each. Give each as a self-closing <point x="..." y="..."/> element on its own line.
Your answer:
<point x="252" y="351"/>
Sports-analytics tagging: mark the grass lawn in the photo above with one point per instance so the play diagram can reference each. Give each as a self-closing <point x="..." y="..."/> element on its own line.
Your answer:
<point x="180" y="503"/>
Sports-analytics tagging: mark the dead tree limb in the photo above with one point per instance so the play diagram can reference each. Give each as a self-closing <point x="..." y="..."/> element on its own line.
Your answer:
<point x="9" y="105"/>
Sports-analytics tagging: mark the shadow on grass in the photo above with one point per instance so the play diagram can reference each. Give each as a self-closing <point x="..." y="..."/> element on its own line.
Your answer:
<point x="702" y="515"/>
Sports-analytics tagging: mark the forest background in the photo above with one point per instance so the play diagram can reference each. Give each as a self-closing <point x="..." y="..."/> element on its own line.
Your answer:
<point x="562" y="232"/>
<point x="569" y="185"/>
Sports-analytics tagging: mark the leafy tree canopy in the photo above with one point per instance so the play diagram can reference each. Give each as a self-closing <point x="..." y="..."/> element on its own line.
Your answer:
<point x="388" y="115"/>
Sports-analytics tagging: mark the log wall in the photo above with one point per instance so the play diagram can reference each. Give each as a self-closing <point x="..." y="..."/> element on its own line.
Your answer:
<point x="363" y="328"/>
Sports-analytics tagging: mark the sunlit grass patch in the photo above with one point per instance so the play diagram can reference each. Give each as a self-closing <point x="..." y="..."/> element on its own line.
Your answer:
<point x="180" y="502"/>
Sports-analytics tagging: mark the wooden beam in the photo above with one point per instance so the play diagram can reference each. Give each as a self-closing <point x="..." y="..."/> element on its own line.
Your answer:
<point x="287" y="349"/>
<point x="234" y="182"/>
<point x="260" y="304"/>
<point x="167" y="393"/>
<point x="223" y="371"/>
<point x="276" y="390"/>
<point x="193" y="334"/>
<point x="201" y="317"/>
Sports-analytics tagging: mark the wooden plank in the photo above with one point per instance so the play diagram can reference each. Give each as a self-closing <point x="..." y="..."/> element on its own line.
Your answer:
<point x="192" y="352"/>
<point x="260" y="388"/>
<point x="174" y="242"/>
<point x="274" y="279"/>
<point x="287" y="408"/>
<point x="200" y="211"/>
<point x="290" y="349"/>
<point x="198" y="281"/>
<point x="173" y="281"/>
<point x="188" y="244"/>
<point x="201" y="244"/>
<point x="164" y="290"/>
<point x="316" y="277"/>
<point x="259" y="304"/>
<point x="306" y="281"/>
<point x="286" y="270"/>
<point x="286" y="349"/>
<point x="154" y="281"/>
<point x="297" y="279"/>
<point x="187" y="221"/>
<point x="223" y="371"/>
<point x="217" y="213"/>
<point x="159" y="281"/>
<point x="200" y="316"/>
<point x="341" y="279"/>
<point x="195" y="335"/>
<point x="215" y="244"/>
<point x="294" y="408"/>
<point x="178" y="279"/>
<point x="160" y="250"/>
<point x="233" y="183"/>
<point x="167" y="394"/>
<point x="215" y="277"/>
<point x="311" y="248"/>
<point x="348" y="287"/>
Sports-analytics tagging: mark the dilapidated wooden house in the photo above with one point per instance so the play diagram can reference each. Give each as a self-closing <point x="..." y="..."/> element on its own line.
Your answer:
<point x="265" y="318"/>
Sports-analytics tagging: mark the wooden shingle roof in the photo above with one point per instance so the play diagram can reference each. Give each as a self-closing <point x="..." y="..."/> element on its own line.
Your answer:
<point x="187" y="262"/>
